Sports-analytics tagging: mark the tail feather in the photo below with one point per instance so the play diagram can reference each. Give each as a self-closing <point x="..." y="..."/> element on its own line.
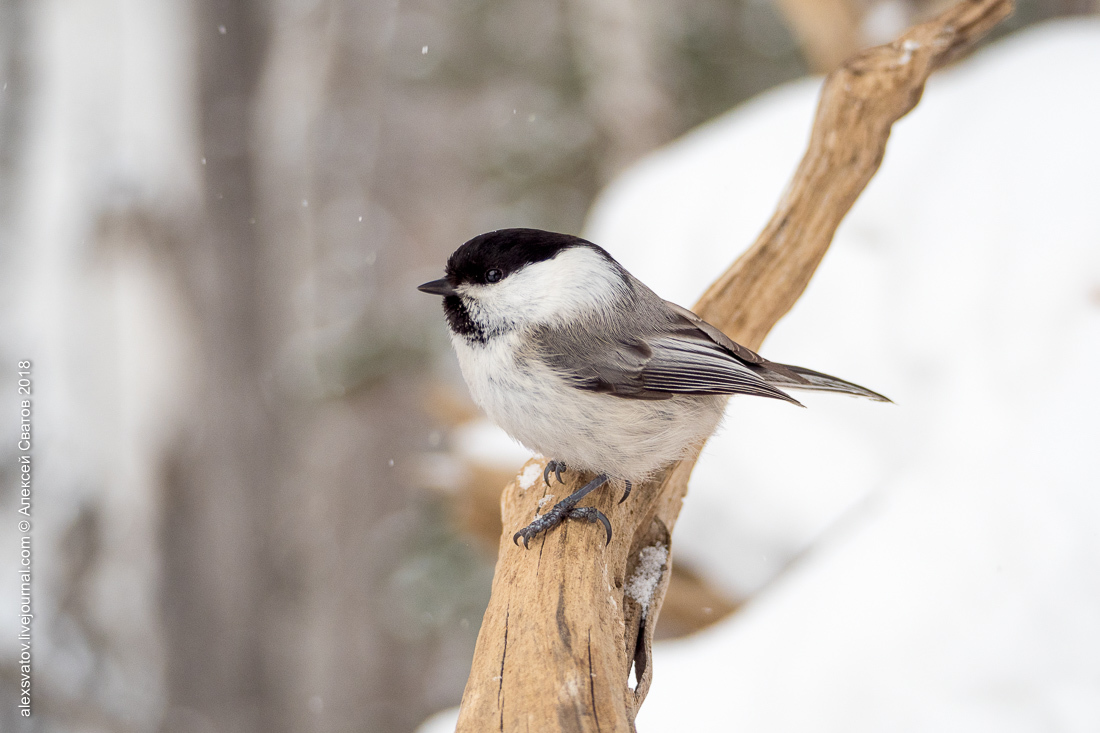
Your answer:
<point x="812" y="381"/>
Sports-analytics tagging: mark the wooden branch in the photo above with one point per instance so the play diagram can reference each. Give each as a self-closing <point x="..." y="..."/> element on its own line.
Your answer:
<point x="569" y="617"/>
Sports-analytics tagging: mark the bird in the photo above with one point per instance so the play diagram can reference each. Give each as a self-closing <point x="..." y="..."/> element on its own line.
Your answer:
<point x="578" y="360"/>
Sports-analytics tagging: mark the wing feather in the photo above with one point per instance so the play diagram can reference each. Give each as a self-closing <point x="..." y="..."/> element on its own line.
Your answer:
<point x="686" y="363"/>
<point x="683" y="355"/>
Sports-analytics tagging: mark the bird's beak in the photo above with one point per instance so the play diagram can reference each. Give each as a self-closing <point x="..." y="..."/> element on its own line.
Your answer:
<point x="438" y="287"/>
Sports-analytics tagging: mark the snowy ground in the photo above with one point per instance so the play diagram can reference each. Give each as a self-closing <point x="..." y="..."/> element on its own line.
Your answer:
<point x="948" y="546"/>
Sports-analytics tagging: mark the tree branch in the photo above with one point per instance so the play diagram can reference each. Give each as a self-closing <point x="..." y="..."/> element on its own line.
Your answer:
<point x="569" y="617"/>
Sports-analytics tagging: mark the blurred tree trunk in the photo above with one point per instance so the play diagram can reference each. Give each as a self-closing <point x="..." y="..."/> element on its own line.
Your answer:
<point x="13" y="109"/>
<point x="220" y="572"/>
<point x="289" y="523"/>
<point x="615" y="49"/>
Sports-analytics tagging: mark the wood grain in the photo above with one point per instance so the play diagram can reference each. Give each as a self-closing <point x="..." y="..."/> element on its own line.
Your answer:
<point x="562" y="629"/>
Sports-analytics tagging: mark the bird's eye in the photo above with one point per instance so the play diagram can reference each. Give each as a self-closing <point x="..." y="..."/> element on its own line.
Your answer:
<point x="493" y="276"/>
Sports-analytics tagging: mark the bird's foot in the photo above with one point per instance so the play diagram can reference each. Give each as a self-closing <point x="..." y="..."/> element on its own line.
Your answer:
<point x="567" y="509"/>
<point x="556" y="467"/>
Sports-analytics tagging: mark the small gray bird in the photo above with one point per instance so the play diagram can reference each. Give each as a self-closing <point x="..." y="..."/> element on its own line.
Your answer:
<point x="578" y="360"/>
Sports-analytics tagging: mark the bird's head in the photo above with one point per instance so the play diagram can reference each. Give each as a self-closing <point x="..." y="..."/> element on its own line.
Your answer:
<point x="511" y="278"/>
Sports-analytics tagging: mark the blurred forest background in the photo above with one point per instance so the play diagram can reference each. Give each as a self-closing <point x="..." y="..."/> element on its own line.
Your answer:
<point x="213" y="215"/>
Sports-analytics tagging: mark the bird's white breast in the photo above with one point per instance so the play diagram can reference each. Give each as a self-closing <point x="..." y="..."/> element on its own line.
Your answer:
<point x="597" y="432"/>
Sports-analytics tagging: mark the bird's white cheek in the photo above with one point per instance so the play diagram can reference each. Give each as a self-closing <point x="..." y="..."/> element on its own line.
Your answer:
<point x="575" y="282"/>
<point x="503" y="305"/>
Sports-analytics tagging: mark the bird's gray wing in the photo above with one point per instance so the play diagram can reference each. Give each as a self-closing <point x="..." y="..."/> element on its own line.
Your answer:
<point x="682" y="355"/>
<point x="775" y="374"/>
<point x="693" y="322"/>
<point x="691" y="362"/>
<point x="674" y="357"/>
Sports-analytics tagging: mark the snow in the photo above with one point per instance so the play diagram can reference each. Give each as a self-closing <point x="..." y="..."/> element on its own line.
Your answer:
<point x="529" y="476"/>
<point x="640" y="587"/>
<point x="928" y="565"/>
<point x="907" y="49"/>
<point x="483" y="443"/>
<point x="444" y="721"/>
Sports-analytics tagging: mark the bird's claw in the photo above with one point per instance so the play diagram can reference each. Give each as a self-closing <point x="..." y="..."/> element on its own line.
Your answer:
<point x="557" y="467"/>
<point x="592" y="514"/>
<point x="626" y="493"/>
<point x="555" y="517"/>
<point x="566" y="509"/>
<point x="542" y="523"/>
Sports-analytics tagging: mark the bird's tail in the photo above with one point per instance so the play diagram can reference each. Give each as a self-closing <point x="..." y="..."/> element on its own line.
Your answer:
<point x="788" y="376"/>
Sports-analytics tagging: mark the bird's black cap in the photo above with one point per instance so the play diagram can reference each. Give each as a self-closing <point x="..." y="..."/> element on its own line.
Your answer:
<point x="506" y="250"/>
